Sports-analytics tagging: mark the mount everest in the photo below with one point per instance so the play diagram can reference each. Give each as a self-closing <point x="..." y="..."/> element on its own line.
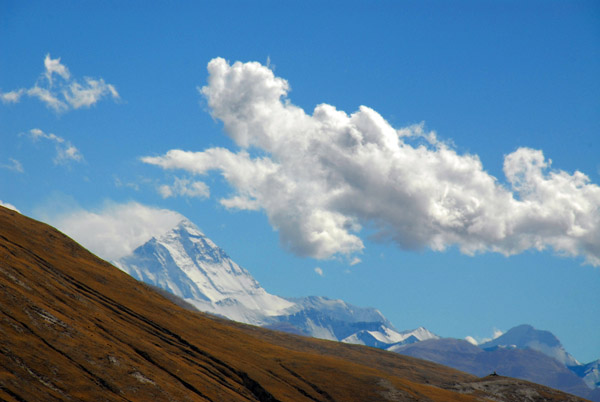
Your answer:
<point x="188" y="264"/>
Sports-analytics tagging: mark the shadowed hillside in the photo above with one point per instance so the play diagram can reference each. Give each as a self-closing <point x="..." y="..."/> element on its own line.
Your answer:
<point x="73" y="327"/>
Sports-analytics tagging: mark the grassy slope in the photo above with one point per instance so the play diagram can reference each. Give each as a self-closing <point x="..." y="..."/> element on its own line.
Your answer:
<point x="74" y="327"/>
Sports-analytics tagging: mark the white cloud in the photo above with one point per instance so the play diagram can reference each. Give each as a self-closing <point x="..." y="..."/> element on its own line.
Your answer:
<point x="53" y="66"/>
<point x="63" y="94"/>
<point x="321" y="177"/>
<point x="355" y="261"/>
<point x="478" y="341"/>
<point x="79" y="96"/>
<point x="115" y="230"/>
<point x="12" y="96"/>
<point x="319" y="271"/>
<point x="65" y="151"/>
<point x="120" y="183"/>
<point x="48" y="97"/>
<point x="14" y="165"/>
<point x="9" y="206"/>
<point x="68" y="153"/>
<point x="184" y="188"/>
<point x="471" y="340"/>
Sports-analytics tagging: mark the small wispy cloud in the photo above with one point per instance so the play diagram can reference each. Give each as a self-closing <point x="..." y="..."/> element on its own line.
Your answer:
<point x="47" y="97"/>
<point x="65" y="151"/>
<point x="120" y="183"/>
<point x="53" y="66"/>
<point x="14" y="165"/>
<point x="9" y="206"/>
<point x="12" y="96"/>
<point x="184" y="188"/>
<point x="86" y="95"/>
<point x="471" y="340"/>
<point x="319" y="271"/>
<point x="496" y="333"/>
<point x="59" y="91"/>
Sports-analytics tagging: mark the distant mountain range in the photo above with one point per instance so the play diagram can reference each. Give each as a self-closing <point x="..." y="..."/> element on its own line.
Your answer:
<point x="522" y="352"/>
<point x="189" y="265"/>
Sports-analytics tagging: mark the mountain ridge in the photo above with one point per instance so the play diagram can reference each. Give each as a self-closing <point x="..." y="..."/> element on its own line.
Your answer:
<point x="187" y="263"/>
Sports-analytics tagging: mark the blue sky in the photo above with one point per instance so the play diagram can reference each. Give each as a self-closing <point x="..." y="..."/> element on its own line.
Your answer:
<point x="94" y="95"/>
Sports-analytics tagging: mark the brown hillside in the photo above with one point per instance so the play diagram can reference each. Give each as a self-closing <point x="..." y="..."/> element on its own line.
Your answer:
<point x="73" y="327"/>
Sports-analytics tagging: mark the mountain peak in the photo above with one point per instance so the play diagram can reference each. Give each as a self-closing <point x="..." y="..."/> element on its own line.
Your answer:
<point x="527" y="337"/>
<point x="188" y="226"/>
<point x="523" y="334"/>
<point x="188" y="264"/>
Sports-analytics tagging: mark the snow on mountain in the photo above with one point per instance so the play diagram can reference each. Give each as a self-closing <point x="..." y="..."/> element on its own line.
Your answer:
<point x="189" y="265"/>
<point x="590" y="373"/>
<point x="330" y="319"/>
<point x="388" y="338"/>
<point x="527" y="337"/>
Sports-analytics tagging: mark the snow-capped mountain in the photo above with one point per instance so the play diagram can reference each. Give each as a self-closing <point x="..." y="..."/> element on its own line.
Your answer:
<point x="188" y="264"/>
<point x="527" y="337"/>
<point x="337" y="320"/>
<point x="385" y="338"/>
<point x="589" y="372"/>
<point x="330" y="319"/>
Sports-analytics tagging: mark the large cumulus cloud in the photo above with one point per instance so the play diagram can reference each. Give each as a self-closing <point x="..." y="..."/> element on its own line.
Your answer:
<point x="321" y="178"/>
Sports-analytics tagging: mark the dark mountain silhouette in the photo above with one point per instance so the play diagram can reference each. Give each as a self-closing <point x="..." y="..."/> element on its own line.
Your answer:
<point x="73" y="327"/>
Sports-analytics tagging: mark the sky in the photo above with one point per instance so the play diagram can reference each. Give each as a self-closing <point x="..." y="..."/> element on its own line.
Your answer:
<point x="437" y="161"/>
